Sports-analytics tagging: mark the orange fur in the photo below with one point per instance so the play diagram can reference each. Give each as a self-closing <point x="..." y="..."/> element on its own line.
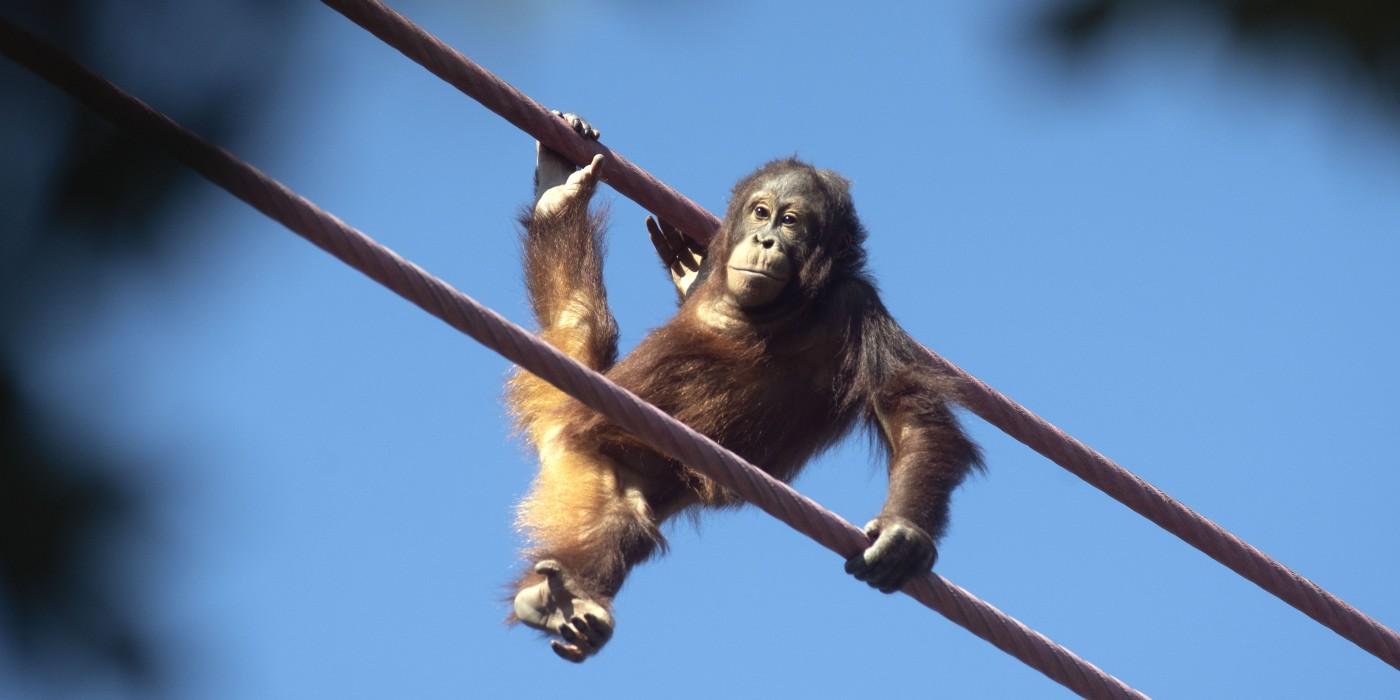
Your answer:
<point x="776" y="387"/>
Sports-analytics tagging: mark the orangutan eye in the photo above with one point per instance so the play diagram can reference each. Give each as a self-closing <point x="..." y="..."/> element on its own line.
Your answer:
<point x="760" y="212"/>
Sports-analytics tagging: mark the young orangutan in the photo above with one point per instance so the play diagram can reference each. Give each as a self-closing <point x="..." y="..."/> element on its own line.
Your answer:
<point x="779" y="347"/>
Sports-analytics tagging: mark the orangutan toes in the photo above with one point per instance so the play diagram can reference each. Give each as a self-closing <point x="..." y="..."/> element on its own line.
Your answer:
<point x="583" y="636"/>
<point x="556" y="606"/>
<point x="557" y="180"/>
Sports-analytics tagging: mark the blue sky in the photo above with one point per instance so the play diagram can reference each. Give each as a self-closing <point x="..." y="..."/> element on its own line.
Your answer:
<point x="1184" y="261"/>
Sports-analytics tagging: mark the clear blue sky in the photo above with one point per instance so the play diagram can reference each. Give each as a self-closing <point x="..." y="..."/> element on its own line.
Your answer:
<point x="1181" y="260"/>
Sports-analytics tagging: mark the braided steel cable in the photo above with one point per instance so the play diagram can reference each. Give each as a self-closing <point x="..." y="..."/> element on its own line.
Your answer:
<point x="1012" y="418"/>
<point x="593" y="389"/>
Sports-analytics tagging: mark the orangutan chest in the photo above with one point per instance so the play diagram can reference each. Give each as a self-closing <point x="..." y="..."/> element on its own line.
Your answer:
<point x="765" y="411"/>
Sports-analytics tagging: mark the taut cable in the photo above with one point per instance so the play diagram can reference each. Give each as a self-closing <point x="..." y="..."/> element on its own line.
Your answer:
<point x="994" y="407"/>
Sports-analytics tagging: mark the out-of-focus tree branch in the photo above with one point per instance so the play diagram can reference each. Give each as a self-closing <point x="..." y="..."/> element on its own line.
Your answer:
<point x="76" y="197"/>
<point x="1355" y="39"/>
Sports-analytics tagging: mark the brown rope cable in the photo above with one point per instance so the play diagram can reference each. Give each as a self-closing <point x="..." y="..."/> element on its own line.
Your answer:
<point x="1012" y="418"/>
<point x="528" y="115"/>
<point x="490" y="329"/>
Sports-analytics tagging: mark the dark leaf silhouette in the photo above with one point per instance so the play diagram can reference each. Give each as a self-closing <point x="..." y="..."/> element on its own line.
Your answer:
<point x="79" y="196"/>
<point x="1359" y="40"/>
